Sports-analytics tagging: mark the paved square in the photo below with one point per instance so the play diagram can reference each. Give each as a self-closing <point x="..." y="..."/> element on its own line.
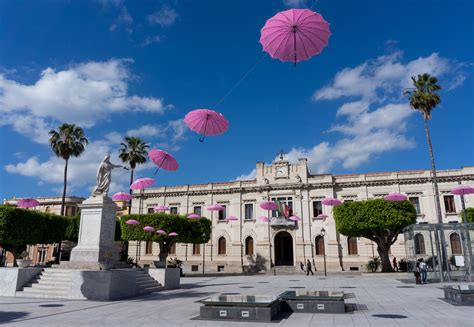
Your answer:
<point x="410" y="305"/>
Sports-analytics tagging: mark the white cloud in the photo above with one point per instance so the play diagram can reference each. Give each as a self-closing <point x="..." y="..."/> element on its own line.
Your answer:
<point x="123" y="19"/>
<point x="170" y="133"/>
<point x="295" y="3"/>
<point x="84" y="94"/>
<point x="145" y="131"/>
<point x="248" y="176"/>
<point x="165" y="17"/>
<point x="150" y="40"/>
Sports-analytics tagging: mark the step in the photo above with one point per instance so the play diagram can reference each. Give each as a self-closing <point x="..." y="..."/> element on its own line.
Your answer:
<point x="49" y="282"/>
<point x="49" y="288"/>
<point x="41" y="295"/>
<point x="151" y="289"/>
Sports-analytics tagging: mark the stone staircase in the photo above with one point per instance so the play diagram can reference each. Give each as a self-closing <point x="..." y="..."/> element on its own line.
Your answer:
<point x="55" y="283"/>
<point x="285" y="270"/>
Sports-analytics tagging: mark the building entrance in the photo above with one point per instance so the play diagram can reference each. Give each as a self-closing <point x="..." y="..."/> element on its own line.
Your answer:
<point x="283" y="249"/>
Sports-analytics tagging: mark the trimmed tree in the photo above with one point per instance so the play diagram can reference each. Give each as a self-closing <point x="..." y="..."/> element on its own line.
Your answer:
<point x="469" y="214"/>
<point x="377" y="220"/>
<point x="189" y="231"/>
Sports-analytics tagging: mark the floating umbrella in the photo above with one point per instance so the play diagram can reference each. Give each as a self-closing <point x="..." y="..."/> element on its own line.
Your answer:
<point x="322" y="216"/>
<point x="122" y="196"/>
<point x="331" y="202"/>
<point x="395" y="197"/>
<point x="28" y="203"/>
<point x="269" y="205"/>
<point x="173" y="234"/>
<point x="463" y="190"/>
<point x="295" y="35"/>
<point x="148" y="229"/>
<point x="161" y="232"/>
<point x="294" y="218"/>
<point x="194" y="216"/>
<point x="142" y="183"/>
<point x="161" y="208"/>
<point x="132" y="222"/>
<point x="230" y="218"/>
<point x="206" y="122"/>
<point x="163" y="160"/>
<point x="264" y="219"/>
<point x="215" y="207"/>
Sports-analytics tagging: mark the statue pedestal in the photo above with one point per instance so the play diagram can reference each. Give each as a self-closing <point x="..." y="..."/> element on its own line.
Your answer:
<point x="96" y="240"/>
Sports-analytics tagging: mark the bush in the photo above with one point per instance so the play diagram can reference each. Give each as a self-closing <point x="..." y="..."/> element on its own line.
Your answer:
<point x="373" y="264"/>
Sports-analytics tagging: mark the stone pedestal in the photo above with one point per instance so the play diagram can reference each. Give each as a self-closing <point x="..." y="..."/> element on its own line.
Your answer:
<point x="96" y="234"/>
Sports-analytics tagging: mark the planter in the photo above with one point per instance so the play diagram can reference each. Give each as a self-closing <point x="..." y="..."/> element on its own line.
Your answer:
<point x="159" y="264"/>
<point x="168" y="277"/>
<point x="106" y="265"/>
<point x="23" y="263"/>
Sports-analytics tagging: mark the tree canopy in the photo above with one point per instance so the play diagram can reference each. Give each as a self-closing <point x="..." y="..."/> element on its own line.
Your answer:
<point x="469" y="214"/>
<point x="377" y="220"/>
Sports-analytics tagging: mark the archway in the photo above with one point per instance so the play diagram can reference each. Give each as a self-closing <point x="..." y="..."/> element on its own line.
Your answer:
<point x="283" y="249"/>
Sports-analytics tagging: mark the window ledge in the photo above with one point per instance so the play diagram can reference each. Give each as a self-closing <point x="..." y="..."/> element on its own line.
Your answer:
<point x="249" y="220"/>
<point x="222" y="221"/>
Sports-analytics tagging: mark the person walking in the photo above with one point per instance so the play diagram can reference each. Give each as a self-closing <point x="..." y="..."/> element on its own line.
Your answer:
<point x="302" y="266"/>
<point x="308" y="268"/>
<point x="417" y="272"/>
<point x="423" y="271"/>
<point x="395" y="264"/>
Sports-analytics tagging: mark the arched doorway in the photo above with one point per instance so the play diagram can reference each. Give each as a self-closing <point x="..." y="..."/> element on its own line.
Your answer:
<point x="283" y="249"/>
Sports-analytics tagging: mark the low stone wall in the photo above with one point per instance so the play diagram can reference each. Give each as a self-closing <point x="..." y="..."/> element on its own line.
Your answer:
<point x="168" y="277"/>
<point x="14" y="279"/>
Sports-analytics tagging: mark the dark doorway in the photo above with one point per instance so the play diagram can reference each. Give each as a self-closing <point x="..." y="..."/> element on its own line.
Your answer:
<point x="283" y="249"/>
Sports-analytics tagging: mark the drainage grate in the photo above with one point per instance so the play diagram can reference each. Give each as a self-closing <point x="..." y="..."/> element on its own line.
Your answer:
<point x="347" y="287"/>
<point x="246" y="286"/>
<point x="296" y="287"/>
<point x="405" y="286"/>
<point x="389" y="316"/>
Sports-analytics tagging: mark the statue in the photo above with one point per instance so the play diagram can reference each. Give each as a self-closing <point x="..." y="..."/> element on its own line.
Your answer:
<point x="104" y="176"/>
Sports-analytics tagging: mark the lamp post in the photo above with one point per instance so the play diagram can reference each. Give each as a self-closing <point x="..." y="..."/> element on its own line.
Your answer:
<point x="323" y="232"/>
<point x="203" y="254"/>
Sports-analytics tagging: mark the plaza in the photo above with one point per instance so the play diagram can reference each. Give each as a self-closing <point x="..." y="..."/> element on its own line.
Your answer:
<point x="376" y="301"/>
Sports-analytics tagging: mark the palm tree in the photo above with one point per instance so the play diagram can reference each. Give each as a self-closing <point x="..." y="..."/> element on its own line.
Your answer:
<point x="66" y="142"/>
<point x="133" y="152"/>
<point x="423" y="98"/>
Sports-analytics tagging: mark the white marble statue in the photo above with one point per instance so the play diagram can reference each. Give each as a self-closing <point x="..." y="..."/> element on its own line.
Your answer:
<point x="104" y="176"/>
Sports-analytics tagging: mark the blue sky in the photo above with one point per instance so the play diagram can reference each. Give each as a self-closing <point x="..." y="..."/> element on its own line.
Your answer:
<point x="119" y="67"/>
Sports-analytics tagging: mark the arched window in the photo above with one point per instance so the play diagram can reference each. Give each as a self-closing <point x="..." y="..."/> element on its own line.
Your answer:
<point x="455" y="243"/>
<point x="221" y="246"/>
<point x="196" y="249"/>
<point x="419" y="244"/>
<point x="249" y="246"/>
<point x="319" y="244"/>
<point x="352" y="245"/>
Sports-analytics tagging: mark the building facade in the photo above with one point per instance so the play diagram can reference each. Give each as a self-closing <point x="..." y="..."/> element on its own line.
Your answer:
<point x="250" y="244"/>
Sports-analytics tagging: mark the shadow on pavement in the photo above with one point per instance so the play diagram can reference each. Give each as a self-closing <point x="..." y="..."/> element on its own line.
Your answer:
<point x="8" y="316"/>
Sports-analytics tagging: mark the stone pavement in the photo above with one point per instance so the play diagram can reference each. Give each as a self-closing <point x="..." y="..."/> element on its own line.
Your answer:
<point x="409" y="304"/>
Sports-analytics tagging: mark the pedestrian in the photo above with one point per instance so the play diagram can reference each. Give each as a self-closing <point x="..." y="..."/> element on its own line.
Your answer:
<point x="395" y="264"/>
<point x="302" y="266"/>
<point x="417" y="272"/>
<point x="423" y="271"/>
<point x="308" y="268"/>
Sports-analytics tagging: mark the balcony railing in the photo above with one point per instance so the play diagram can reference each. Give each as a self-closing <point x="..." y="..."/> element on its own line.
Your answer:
<point x="281" y="221"/>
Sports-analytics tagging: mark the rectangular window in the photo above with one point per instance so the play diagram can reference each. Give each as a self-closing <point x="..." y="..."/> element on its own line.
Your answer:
<point x="149" y="247"/>
<point x="249" y="211"/>
<point x="416" y="203"/>
<point x="194" y="268"/>
<point x="317" y="208"/>
<point x="174" y="210"/>
<point x="196" y="249"/>
<point x="223" y="213"/>
<point x="449" y="204"/>
<point x="285" y="205"/>
<point x="151" y="210"/>
<point x="197" y="210"/>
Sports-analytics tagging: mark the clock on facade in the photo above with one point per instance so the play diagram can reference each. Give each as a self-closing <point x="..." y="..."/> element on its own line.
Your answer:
<point x="282" y="171"/>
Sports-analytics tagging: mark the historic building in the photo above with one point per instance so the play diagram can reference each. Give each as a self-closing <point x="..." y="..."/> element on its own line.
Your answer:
<point x="250" y="244"/>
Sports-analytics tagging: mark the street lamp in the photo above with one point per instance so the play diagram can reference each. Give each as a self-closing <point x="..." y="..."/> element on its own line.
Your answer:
<point x="203" y="254"/>
<point x="323" y="232"/>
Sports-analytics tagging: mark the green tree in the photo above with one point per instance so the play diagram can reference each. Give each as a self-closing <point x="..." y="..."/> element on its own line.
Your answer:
<point x="189" y="231"/>
<point x="469" y="214"/>
<point x="133" y="152"/>
<point x="66" y="142"/>
<point x="377" y="220"/>
<point x="423" y="98"/>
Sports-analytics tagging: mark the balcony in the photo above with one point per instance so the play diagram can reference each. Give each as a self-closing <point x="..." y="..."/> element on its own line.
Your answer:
<point x="281" y="222"/>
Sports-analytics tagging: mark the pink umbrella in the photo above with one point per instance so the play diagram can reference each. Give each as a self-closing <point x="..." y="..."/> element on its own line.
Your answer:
<point x="142" y="183"/>
<point x="161" y="232"/>
<point x="148" y="229"/>
<point x="194" y="216"/>
<point x="132" y="222"/>
<point x="161" y="208"/>
<point x="28" y="203"/>
<point x="463" y="190"/>
<point x="264" y="219"/>
<point x="395" y="197"/>
<point x="122" y="196"/>
<point x="215" y="207"/>
<point x="206" y="122"/>
<point x="230" y="218"/>
<point x="163" y="160"/>
<point x="331" y="202"/>
<point x="294" y="218"/>
<point x="295" y="35"/>
<point x="322" y="216"/>
<point x="173" y="234"/>
<point x="269" y="205"/>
